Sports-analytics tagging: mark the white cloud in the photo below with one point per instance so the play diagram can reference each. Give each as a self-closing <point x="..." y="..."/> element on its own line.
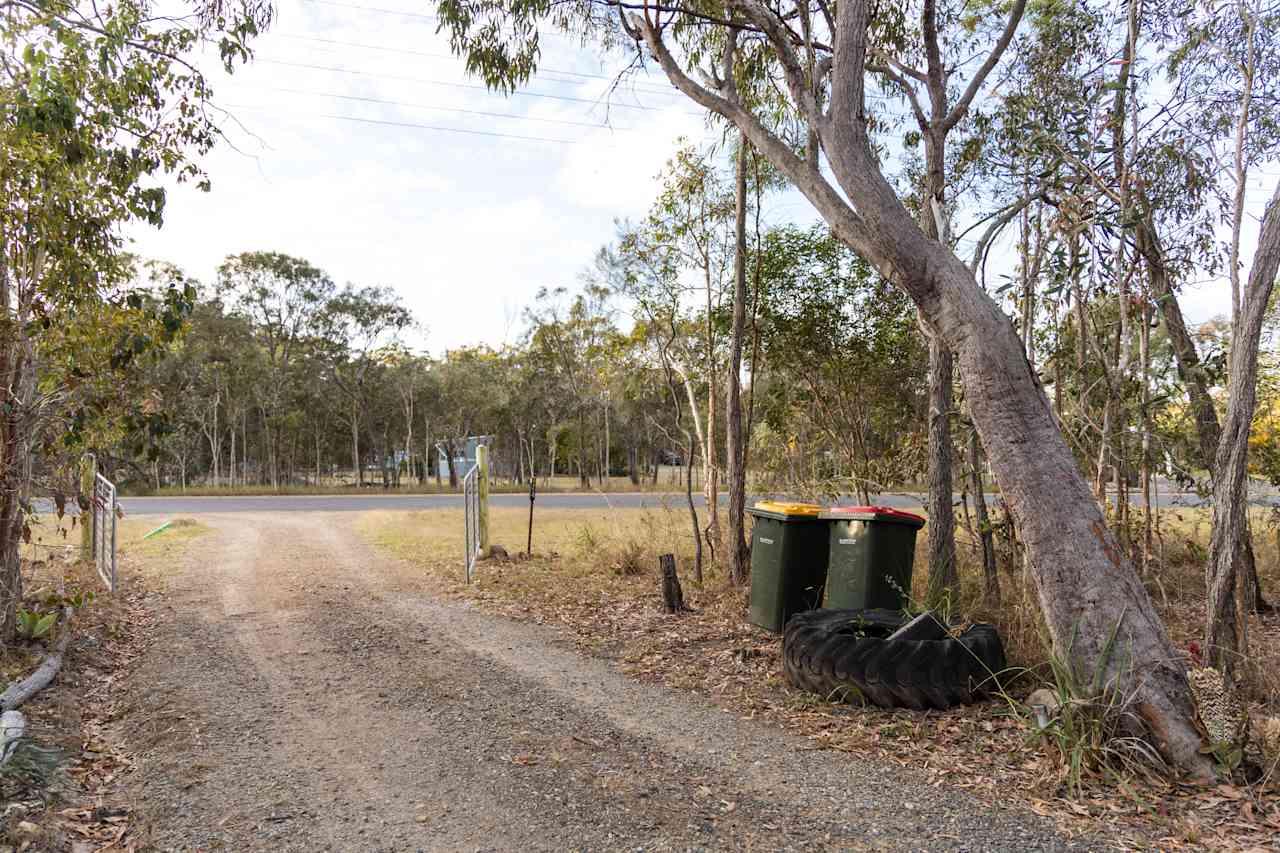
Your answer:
<point x="467" y="227"/>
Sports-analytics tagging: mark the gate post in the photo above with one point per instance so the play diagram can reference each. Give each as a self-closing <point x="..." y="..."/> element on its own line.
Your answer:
<point x="482" y="477"/>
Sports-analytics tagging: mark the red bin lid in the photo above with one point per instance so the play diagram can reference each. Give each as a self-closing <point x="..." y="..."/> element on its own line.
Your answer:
<point x="877" y="513"/>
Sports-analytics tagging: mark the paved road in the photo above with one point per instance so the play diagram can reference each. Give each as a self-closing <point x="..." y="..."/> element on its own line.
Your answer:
<point x="584" y="500"/>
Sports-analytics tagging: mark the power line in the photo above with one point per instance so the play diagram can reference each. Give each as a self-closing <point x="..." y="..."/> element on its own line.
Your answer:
<point x="375" y="9"/>
<point x="667" y="92"/>
<point x="470" y="86"/>
<point x="511" y="116"/>
<point x="409" y="124"/>
<point x="426" y="17"/>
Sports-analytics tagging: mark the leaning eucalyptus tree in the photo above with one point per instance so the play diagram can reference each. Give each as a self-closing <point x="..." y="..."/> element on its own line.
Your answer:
<point x="1098" y="613"/>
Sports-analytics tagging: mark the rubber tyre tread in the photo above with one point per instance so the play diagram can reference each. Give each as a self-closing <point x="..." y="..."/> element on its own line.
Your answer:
<point x="846" y="654"/>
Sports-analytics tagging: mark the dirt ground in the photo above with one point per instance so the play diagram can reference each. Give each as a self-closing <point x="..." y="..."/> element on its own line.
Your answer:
<point x="301" y="691"/>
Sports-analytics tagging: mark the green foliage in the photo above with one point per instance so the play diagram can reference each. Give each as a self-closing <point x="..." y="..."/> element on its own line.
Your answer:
<point x="841" y="368"/>
<point x="33" y="625"/>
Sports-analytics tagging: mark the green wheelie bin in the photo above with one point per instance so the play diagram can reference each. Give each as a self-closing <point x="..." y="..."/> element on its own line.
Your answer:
<point x="871" y="553"/>
<point x="788" y="561"/>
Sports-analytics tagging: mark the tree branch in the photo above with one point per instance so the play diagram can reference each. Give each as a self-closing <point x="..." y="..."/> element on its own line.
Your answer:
<point x="1001" y="220"/>
<point x="907" y="89"/>
<point x="779" y="37"/>
<point x="962" y="105"/>
<point x="806" y="178"/>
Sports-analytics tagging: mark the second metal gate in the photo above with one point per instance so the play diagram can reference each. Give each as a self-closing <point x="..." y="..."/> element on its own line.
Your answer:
<point x="103" y="511"/>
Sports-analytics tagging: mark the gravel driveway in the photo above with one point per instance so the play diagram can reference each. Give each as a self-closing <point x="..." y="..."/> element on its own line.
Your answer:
<point x="304" y="692"/>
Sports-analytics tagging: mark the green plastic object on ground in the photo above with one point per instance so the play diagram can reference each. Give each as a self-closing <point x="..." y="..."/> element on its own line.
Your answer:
<point x="788" y="562"/>
<point x="162" y="528"/>
<point x="872" y="552"/>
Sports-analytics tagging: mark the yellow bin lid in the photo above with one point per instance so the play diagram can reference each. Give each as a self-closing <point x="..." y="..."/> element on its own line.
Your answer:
<point x="783" y="508"/>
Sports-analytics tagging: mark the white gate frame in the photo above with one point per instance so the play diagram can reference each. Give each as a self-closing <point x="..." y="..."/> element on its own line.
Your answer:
<point x="103" y="509"/>
<point x="475" y="502"/>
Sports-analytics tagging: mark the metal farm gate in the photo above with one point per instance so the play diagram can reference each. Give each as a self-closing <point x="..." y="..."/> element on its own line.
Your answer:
<point x="103" y="509"/>
<point x="471" y="504"/>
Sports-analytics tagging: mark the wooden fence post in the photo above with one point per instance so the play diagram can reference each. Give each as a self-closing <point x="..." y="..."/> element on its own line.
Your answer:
<point x="672" y="595"/>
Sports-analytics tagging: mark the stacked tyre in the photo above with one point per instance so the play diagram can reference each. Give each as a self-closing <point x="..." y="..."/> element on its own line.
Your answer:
<point x="848" y="655"/>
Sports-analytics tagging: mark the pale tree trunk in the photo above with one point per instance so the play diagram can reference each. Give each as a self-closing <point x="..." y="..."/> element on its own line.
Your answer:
<point x="583" y="477"/>
<point x="213" y="436"/>
<point x="693" y="408"/>
<point x="1196" y="381"/>
<point x="453" y="467"/>
<point x="711" y="467"/>
<point x="515" y="467"/>
<point x="934" y="221"/>
<point x="1144" y="351"/>
<point x="1028" y="281"/>
<point x="232" y="461"/>
<point x="1230" y="483"/>
<point x="355" y="443"/>
<point x="1097" y="612"/>
<point x="551" y="453"/>
<point x="990" y="577"/>
<point x="275" y="456"/>
<point x="427" y="453"/>
<point x="690" y="448"/>
<point x="406" y="397"/>
<point x="734" y="455"/>
<point x="942" y="525"/>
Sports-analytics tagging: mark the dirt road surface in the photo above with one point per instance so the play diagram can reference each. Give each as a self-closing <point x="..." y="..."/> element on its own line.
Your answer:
<point x="304" y="692"/>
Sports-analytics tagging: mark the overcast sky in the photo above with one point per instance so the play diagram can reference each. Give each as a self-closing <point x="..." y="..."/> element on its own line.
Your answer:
<point x="466" y="226"/>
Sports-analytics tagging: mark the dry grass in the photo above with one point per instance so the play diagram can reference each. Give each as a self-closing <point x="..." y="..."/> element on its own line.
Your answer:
<point x="594" y="575"/>
<point x="168" y="542"/>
